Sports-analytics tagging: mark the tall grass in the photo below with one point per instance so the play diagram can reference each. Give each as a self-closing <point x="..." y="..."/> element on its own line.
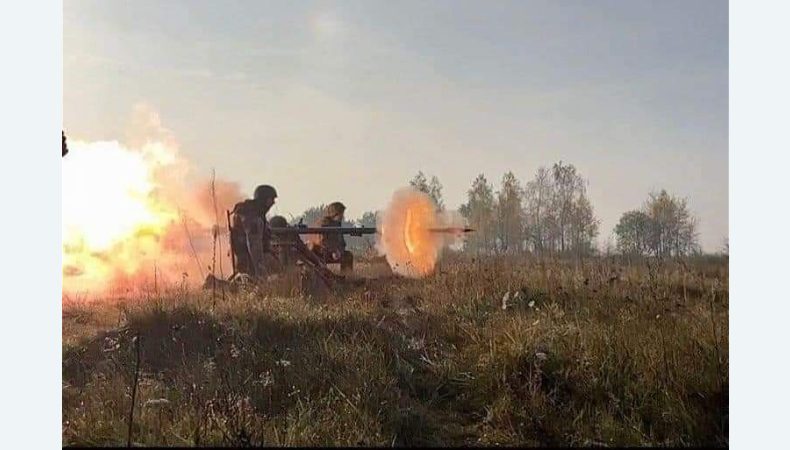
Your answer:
<point x="593" y="352"/>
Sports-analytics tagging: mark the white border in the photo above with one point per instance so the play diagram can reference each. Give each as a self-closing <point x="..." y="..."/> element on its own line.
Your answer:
<point x="31" y="100"/>
<point x="31" y="43"/>
<point x="759" y="174"/>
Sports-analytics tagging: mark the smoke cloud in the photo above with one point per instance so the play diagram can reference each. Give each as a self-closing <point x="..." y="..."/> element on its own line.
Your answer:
<point x="408" y="236"/>
<point x="131" y="217"/>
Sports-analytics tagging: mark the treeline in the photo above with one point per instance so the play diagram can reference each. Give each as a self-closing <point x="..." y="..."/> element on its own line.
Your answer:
<point x="663" y="227"/>
<point x="550" y="214"/>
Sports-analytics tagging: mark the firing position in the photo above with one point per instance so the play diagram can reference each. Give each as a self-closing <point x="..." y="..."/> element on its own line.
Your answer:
<point x="331" y="247"/>
<point x="291" y="252"/>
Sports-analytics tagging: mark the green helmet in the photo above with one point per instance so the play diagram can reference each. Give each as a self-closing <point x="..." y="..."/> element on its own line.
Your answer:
<point x="334" y="209"/>
<point x="264" y="191"/>
<point x="278" y="222"/>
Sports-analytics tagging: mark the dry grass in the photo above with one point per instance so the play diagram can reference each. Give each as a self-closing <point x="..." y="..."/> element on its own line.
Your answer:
<point x="601" y="352"/>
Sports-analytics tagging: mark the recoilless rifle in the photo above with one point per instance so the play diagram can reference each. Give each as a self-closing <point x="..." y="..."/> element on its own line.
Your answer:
<point x="300" y="228"/>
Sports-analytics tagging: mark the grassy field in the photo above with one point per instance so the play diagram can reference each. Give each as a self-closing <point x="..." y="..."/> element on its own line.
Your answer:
<point x="496" y="351"/>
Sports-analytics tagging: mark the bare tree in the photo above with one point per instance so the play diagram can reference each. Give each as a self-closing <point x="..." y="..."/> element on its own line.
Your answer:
<point x="537" y="197"/>
<point x="420" y="182"/>
<point x="559" y="217"/>
<point x="550" y="215"/>
<point x="632" y="233"/>
<point x="479" y="212"/>
<point x="510" y="216"/>
<point x="673" y="228"/>
<point x="435" y="191"/>
<point x="568" y="186"/>
<point x="664" y="227"/>
<point x="583" y="226"/>
<point x="432" y="188"/>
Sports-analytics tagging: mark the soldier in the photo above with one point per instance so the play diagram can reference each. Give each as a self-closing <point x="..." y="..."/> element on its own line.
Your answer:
<point x="331" y="248"/>
<point x="288" y="249"/>
<point x="250" y="238"/>
<point x="283" y="245"/>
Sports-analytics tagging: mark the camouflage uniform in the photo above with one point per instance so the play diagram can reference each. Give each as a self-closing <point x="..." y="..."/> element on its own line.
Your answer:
<point x="331" y="248"/>
<point x="292" y="253"/>
<point x="283" y="245"/>
<point x="250" y="235"/>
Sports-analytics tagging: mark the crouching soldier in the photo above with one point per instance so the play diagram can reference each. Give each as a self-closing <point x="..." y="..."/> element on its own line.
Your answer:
<point x="331" y="247"/>
<point x="292" y="253"/>
<point x="284" y="244"/>
<point x="250" y="237"/>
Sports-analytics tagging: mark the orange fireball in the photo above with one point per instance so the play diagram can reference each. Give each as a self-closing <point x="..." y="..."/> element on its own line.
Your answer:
<point x="406" y="239"/>
<point x="112" y="218"/>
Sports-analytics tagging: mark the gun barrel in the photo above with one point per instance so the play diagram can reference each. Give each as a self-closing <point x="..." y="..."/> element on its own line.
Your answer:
<point x="358" y="231"/>
<point x="354" y="231"/>
<point x="451" y="230"/>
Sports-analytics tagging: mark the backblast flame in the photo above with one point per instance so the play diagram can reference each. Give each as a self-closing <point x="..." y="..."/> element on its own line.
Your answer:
<point x="128" y="217"/>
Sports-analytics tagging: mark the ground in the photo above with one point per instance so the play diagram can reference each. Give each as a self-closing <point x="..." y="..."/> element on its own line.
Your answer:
<point x="501" y="350"/>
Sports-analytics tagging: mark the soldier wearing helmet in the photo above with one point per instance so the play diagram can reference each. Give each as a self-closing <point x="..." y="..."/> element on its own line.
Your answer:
<point x="293" y="257"/>
<point x="290" y="251"/>
<point x="278" y="222"/>
<point x="282" y="244"/>
<point x="332" y="247"/>
<point x="250" y="236"/>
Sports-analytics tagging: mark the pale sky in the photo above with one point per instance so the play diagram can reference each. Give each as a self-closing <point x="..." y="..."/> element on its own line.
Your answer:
<point x="348" y="100"/>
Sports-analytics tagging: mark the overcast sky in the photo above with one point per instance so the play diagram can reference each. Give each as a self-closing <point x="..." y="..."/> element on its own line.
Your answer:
<point x="348" y="100"/>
